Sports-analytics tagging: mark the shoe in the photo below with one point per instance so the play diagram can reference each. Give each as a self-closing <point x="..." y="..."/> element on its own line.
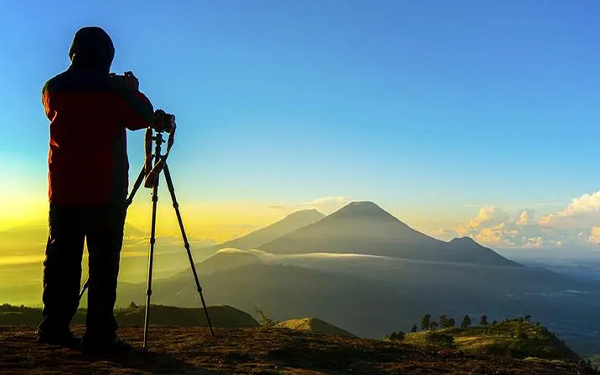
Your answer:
<point x="67" y="339"/>
<point x="93" y="346"/>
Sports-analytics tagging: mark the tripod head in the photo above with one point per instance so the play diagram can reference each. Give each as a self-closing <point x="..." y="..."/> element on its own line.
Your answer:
<point x="163" y="122"/>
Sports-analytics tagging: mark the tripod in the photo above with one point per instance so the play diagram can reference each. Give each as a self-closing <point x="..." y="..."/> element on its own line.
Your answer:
<point x="159" y="161"/>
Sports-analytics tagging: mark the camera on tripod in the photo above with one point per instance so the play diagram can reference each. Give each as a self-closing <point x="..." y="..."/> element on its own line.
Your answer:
<point x="163" y="121"/>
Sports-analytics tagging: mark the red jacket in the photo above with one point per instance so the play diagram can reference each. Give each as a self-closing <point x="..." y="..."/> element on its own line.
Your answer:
<point x="88" y="148"/>
<point x="88" y="113"/>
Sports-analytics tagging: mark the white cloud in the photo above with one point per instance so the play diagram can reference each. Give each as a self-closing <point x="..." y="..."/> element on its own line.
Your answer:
<point x="594" y="236"/>
<point x="525" y="217"/>
<point x="534" y="242"/>
<point x="231" y="250"/>
<point x="577" y="225"/>
<point x="583" y="211"/>
<point x="443" y="234"/>
<point x="489" y="216"/>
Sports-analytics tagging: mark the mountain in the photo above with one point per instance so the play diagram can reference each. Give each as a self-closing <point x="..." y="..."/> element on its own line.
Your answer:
<point x="362" y="306"/>
<point x="365" y="228"/>
<point x="315" y="325"/>
<point x="288" y="224"/>
<point x="225" y="259"/>
<point x="407" y="275"/>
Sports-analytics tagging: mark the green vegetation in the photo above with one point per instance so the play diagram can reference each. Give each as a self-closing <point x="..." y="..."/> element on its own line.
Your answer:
<point x="594" y="362"/>
<point x="483" y="321"/>
<point x="513" y="338"/>
<point x="220" y="316"/>
<point x="425" y="322"/>
<point x="446" y="322"/>
<point x="263" y="319"/>
<point x="319" y="326"/>
<point x="439" y="339"/>
<point x="466" y="322"/>
<point x="395" y="336"/>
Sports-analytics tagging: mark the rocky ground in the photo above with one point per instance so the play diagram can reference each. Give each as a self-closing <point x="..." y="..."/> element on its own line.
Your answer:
<point x="255" y="351"/>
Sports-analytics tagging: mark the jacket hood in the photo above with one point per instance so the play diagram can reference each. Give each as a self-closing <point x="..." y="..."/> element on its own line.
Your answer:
<point x="92" y="49"/>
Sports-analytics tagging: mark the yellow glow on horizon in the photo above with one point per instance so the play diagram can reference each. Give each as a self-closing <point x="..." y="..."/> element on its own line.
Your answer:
<point x="206" y="221"/>
<point x="22" y="208"/>
<point x="216" y="221"/>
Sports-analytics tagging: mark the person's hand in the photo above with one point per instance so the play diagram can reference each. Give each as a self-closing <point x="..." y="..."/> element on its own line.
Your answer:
<point x="131" y="81"/>
<point x="172" y="125"/>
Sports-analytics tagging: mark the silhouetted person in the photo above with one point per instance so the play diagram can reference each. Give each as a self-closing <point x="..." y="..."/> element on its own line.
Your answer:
<point x="88" y="180"/>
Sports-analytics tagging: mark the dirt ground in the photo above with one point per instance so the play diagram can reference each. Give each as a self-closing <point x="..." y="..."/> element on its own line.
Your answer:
<point x="254" y="351"/>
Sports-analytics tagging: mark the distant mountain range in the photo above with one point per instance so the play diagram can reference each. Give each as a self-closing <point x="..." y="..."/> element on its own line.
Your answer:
<point x="365" y="228"/>
<point x="396" y="274"/>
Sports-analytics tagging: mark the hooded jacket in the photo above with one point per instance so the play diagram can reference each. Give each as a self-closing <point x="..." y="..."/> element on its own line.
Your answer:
<point x="89" y="112"/>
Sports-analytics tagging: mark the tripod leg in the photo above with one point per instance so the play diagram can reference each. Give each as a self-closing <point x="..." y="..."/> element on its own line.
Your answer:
<point x="150" y="262"/>
<point x="128" y="202"/>
<point x="185" y="242"/>
<point x="136" y="186"/>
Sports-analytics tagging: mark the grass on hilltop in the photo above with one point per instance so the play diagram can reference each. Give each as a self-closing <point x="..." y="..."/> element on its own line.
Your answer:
<point x="511" y="338"/>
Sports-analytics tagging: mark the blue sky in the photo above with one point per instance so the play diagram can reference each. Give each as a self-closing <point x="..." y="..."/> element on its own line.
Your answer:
<point x="422" y="106"/>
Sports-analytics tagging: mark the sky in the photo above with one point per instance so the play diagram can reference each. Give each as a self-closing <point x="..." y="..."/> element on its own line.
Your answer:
<point x="460" y="118"/>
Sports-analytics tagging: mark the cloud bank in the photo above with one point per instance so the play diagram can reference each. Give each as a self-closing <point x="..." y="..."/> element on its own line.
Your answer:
<point x="575" y="226"/>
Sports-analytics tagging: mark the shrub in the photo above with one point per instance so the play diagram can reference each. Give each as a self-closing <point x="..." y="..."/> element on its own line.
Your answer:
<point x="264" y="320"/>
<point x="397" y="336"/>
<point x="466" y="322"/>
<point x="440" y="339"/>
<point x="483" y="321"/>
<point x="425" y="321"/>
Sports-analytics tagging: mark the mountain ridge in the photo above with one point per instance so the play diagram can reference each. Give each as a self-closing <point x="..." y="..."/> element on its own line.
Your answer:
<point x="289" y="223"/>
<point x="365" y="228"/>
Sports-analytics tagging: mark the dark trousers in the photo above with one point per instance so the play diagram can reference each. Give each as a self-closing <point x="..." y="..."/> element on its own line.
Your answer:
<point x="102" y="229"/>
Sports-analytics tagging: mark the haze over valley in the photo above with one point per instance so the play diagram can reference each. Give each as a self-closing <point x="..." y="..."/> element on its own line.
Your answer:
<point x="359" y="268"/>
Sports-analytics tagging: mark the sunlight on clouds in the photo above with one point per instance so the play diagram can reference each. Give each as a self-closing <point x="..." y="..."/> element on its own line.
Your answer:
<point x="533" y="242"/>
<point x="490" y="235"/>
<point x="576" y="226"/>
<point x="489" y="216"/>
<point x="595" y="235"/>
<point x="581" y="211"/>
<point x="525" y="217"/>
